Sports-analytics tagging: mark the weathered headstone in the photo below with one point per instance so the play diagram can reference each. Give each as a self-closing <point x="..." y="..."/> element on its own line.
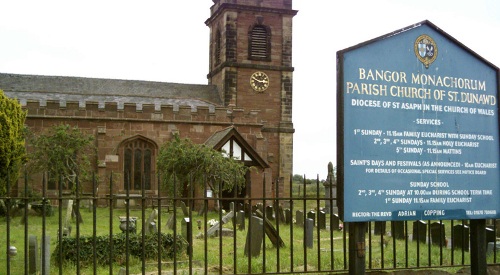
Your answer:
<point x="280" y="214"/>
<point x="309" y="232"/>
<point x="240" y="220"/>
<point x="335" y="222"/>
<point x="269" y="212"/>
<point x="398" y="229"/>
<point x="260" y="207"/>
<point x="490" y="235"/>
<point x="420" y="231"/>
<point x="321" y="219"/>
<point x="255" y="236"/>
<point x="380" y="228"/>
<point x="46" y="255"/>
<point x="67" y="220"/>
<point x="248" y="209"/>
<point x="184" y="208"/>
<point x="461" y="237"/>
<point x="171" y="221"/>
<point x="187" y="233"/>
<point x="299" y="217"/>
<point x="151" y="222"/>
<point x="212" y="230"/>
<point x="271" y="232"/>
<point x="33" y="255"/>
<point x="288" y="216"/>
<point x="312" y="215"/>
<point x="438" y="234"/>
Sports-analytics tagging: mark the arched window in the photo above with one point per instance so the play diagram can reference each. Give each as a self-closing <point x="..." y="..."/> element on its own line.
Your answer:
<point x="138" y="160"/>
<point x="259" y="44"/>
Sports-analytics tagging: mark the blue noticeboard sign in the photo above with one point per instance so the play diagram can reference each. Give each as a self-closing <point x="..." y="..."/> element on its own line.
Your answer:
<point x="418" y="129"/>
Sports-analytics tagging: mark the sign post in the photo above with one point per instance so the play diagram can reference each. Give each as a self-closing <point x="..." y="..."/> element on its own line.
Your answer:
<point x="418" y="129"/>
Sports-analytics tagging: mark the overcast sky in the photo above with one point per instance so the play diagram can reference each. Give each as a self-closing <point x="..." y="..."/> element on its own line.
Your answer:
<point x="167" y="41"/>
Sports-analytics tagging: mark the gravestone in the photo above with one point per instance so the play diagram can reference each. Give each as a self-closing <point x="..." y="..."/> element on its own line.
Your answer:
<point x="67" y="220"/>
<point x="33" y="255"/>
<point x="288" y="216"/>
<point x="171" y="222"/>
<point x="240" y="220"/>
<point x="255" y="236"/>
<point x="299" y="216"/>
<point x="335" y="222"/>
<point x="497" y="223"/>
<point x="461" y="237"/>
<point x="46" y="255"/>
<point x="380" y="228"/>
<point x="309" y="232"/>
<point x="184" y="208"/>
<point x="280" y="214"/>
<point x="312" y="215"/>
<point x="271" y="232"/>
<point x="420" y="231"/>
<point x="212" y="230"/>
<point x="270" y="212"/>
<point x="260" y="207"/>
<point x="437" y="233"/>
<point x="187" y="233"/>
<point x="321" y="219"/>
<point x="151" y="222"/>
<point x="248" y="209"/>
<point x="490" y="235"/>
<point x="398" y="229"/>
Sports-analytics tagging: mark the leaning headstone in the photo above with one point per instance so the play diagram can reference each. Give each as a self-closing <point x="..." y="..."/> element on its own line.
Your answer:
<point x="269" y="212"/>
<point x="321" y="219"/>
<point x="187" y="233"/>
<point x="33" y="255"/>
<point x="260" y="207"/>
<point x="212" y="230"/>
<point x="171" y="222"/>
<point x="437" y="233"/>
<point x="335" y="222"/>
<point x="461" y="237"/>
<point x="288" y="216"/>
<point x="312" y="215"/>
<point x="309" y="232"/>
<point x="46" y="255"/>
<point x="184" y="208"/>
<point x="398" y="229"/>
<point x="240" y="220"/>
<point x="419" y="231"/>
<point x="255" y="237"/>
<point x="299" y="217"/>
<point x="271" y="232"/>
<point x="380" y="228"/>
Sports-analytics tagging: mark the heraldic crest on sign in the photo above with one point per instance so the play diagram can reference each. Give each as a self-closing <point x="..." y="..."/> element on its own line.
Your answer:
<point x="426" y="49"/>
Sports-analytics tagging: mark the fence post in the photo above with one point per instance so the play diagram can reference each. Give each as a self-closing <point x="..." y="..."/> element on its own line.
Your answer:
<point x="478" y="247"/>
<point x="357" y="248"/>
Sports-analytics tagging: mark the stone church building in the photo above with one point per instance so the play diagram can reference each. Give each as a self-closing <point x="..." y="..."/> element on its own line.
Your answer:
<point x="245" y="109"/>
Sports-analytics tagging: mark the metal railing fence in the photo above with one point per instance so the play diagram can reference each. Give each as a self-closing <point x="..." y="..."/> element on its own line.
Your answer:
<point x="142" y="233"/>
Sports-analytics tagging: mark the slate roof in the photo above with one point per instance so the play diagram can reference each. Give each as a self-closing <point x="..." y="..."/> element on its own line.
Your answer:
<point x="38" y="87"/>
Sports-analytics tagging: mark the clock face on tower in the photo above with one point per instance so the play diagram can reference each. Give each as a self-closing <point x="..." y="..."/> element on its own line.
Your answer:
<point x="259" y="81"/>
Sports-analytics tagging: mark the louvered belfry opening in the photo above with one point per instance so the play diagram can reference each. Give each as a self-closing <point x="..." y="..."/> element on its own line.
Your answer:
<point x="259" y="43"/>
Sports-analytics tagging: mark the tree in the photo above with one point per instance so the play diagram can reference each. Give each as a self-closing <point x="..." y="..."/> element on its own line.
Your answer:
<point x="12" y="140"/>
<point x="182" y="162"/>
<point x="65" y="153"/>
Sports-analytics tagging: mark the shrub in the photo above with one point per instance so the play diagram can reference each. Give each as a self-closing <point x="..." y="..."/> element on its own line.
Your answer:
<point x="104" y="255"/>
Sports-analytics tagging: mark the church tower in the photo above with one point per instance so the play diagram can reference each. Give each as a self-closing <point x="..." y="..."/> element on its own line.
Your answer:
<point x="251" y="64"/>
